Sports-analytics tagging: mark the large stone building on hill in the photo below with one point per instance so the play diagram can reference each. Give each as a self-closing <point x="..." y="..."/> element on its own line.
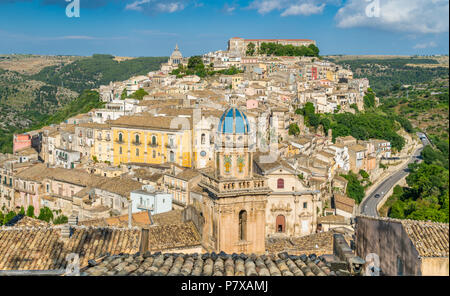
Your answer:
<point x="239" y="45"/>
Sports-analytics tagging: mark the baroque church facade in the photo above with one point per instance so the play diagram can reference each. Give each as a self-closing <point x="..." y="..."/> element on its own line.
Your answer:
<point x="241" y="204"/>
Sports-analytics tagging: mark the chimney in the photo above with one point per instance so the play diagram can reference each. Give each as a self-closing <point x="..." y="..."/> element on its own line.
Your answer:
<point x="67" y="229"/>
<point x="342" y="250"/>
<point x="130" y="217"/>
<point x="73" y="220"/>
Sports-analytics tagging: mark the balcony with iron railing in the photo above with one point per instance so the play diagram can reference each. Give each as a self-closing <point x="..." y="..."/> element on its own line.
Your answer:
<point x="144" y="207"/>
<point x="234" y="185"/>
<point x="134" y="143"/>
<point x="171" y="145"/>
<point x="153" y="145"/>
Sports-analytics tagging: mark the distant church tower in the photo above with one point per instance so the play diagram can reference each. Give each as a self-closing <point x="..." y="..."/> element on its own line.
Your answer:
<point x="176" y="58"/>
<point x="235" y="200"/>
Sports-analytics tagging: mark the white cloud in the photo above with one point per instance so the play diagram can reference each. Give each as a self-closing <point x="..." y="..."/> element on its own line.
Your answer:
<point x="137" y="5"/>
<point x="170" y="7"/>
<point x="266" y="6"/>
<point x="73" y="37"/>
<point x="228" y="9"/>
<point x="303" y="9"/>
<point x="291" y="7"/>
<point x="425" y="45"/>
<point x="158" y="6"/>
<point x="155" y="33"/>
<point x="416" y="16"/>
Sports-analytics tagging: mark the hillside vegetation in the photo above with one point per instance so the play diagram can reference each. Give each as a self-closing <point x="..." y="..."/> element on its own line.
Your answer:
<point x="387" y="74"/>
<point x="426" y="197"/>
<point x="51" y="95"/>
<point x="91" y="72"/>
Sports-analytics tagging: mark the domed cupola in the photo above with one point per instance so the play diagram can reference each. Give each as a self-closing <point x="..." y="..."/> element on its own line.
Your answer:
<point x="234" y="121"/>
<point x="176" y="57"/>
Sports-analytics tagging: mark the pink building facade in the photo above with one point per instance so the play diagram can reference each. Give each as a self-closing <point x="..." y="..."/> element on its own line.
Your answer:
<point x="252" y="104"/>
<point x="21" y="142"/>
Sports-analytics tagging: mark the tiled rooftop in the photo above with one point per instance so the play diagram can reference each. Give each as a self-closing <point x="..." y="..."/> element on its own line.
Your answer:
<point x="24" y="248"/>
<point x="212" y="264"/>
<point x="317" y="243"/>
<point x="165" y="237"/>
<point x="137" y="219"/>
<point x="25" y="221"/>
<point x="430" y="239"/>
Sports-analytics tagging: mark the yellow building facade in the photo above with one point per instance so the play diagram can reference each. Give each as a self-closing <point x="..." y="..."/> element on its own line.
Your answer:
<point x="103" y="144"/>
<point x="141" y="145"/>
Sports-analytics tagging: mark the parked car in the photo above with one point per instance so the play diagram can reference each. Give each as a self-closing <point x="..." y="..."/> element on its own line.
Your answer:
<point x="377" y="195"/>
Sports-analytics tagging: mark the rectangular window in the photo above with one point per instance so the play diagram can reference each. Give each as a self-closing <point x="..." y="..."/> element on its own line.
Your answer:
<point x="399" y="266"/>
<point x="305" y="205"/>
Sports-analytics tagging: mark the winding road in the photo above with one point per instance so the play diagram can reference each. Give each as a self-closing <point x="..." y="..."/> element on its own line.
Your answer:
<point x="369" y="204"/>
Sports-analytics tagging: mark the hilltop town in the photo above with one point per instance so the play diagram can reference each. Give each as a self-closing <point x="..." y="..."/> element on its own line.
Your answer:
<point x="211" y="154"/>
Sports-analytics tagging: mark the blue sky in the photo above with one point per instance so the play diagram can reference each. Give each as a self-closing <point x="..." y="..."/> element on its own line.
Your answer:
<point x="152" y="27"/>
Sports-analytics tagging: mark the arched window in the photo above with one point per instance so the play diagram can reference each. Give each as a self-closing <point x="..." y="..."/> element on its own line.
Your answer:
<point x="281" y="223"/>
<point x="172" y="156"/>
<point x="137" y="151"/>
<point x="154" y="154"/>
<point x="153" y="140"/>
<point x="136" y="138"/>
<point x="203" y="139"/>
<point x="243" y="225"/>
<point x="120" y="137"/>
<point x="280" y="183"/>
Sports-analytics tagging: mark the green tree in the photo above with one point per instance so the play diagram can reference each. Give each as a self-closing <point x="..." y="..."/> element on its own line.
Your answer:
<point x="354" y="106"/>
<point x="195" y="63"/>
<point x="369" y="99"/>
<point x="22" y="211"/>
<point x="123" y="96"/>
<point x="251" y="49"/>
<point x="309" y="109"/>
<point x="354" y="188"/>
<point x="30" y="211"/>
<point x="326" y="123"/>
<point x="314" y="49"/>
<point x="314" y="120"/>
<point x="8" y="217"/>
<point x="294" y="129"/>
<point x="426" y="197"/>
<point x="45" y="214"/>
<point x="60" y="220"/>
<point x="364" y="174"/>
<point x="139" y="94"/>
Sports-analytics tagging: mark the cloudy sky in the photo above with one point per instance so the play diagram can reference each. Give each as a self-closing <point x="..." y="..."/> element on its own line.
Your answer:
<point x="153" y="27"/>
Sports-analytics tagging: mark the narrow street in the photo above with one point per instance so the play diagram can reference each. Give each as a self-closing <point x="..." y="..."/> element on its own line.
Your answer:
<point x="370" y="203"/>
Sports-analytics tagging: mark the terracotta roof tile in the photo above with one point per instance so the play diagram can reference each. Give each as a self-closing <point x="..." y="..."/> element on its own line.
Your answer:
<point x="211" y="264"/>
<point x="430" y="239"/>
<point x="24" y="248"/>
<point x="172" y="236"/>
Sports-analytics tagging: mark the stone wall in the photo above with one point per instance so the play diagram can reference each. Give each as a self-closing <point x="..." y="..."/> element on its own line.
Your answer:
<point x="389" y="241"/>
<point x="191" y="214"/>
<point x="435" y="266"/>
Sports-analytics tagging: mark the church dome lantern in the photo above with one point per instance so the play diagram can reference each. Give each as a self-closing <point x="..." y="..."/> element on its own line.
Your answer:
<point x="176" y="57"/>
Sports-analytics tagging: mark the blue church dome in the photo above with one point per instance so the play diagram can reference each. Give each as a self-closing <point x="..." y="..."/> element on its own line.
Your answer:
<point x="234" y="121"/>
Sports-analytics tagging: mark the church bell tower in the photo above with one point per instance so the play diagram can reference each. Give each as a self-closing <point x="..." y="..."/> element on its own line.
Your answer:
<point x="234" y="207"/>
